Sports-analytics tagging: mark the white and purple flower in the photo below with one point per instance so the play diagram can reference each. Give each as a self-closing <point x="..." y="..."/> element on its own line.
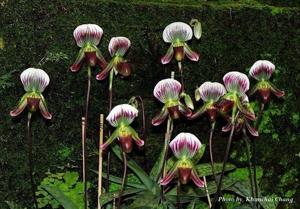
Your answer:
<point x="262" y="70"/>
<point x="210" y="93"/>
<point x="120" y="117"/>
<point x="34" y="81"/>
<point x="178" y="33"/>
<point x="87" y="37"/>
<point x="118" y="46"/>
<point x="184" y="146"/>
<point x="168" y="91"/>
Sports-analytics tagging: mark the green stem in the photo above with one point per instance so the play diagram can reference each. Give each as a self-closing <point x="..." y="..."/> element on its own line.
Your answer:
<point x="84" y="150"/>
<point x="233" y="119"/>
<point x="210" y="150"/>
<point x="123" y="180"/>
<point x="30" y="159"/>
<point x="168" y="135"/>
<point x="246" y="139"/>
<point x="178" y="195"/>
<point x="110" y="91"/>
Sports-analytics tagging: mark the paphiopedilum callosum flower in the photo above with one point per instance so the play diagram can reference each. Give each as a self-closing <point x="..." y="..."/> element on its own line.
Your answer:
<point x="87" y="37"/>
<point x="236" y="84"/>
<point x="262" y="70"/>
<point x="178" y="33"/>
<point x="169" y="92"/>
<point x="241" y="120"/>
<point x="120" y="117"/>
<point x="210" y="93"/>
<point x="118" y="46"/>
<point x="34" y="81"/>
<point x="184" y="146"/>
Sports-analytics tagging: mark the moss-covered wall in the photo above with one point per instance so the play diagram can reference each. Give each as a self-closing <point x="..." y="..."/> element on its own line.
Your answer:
<point x="234" y="36"/>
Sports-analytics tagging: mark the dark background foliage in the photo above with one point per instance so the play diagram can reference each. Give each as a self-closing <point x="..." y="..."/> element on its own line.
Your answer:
<point x="235" y="35"/>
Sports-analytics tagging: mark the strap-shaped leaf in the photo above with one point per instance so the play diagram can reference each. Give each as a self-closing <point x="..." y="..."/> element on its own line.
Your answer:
<point x="142" y="175"/>
<point x="204" y="169"/>
<point x="110" y="196"/>
<point x="60" y="197"/>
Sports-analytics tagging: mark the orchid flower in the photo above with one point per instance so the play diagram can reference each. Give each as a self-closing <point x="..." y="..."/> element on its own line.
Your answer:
<point x="118" y="46"/>
<point x="262" y="70"/>
<point x="87" y="37"/>
<point x="120" y="117"/>
<point x="169" y="92"/>
<point x="34" y="81"/>
<point x="184" y="146"/>
<point x="241" y="120"/>
<point x="210" y="93"/>
<point x="178" y="33"/>
<point x="236" y="84"/>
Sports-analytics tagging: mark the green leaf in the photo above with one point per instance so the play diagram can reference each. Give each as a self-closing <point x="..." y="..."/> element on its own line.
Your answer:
<point x="199" y="154"/>
<point x="205" y="169"/>
<point x="60" y="197"/>
<point x="13" y="205"/>
<point x="197" y="204"/>
<point x="110" y="196"/>
<point x="142" y="175"/>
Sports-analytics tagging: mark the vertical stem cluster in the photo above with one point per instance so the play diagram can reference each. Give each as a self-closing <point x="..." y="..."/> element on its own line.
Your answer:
<point x="30" y="159"/>
<point x="233" y="119"/>
<point x="206" y="191"/>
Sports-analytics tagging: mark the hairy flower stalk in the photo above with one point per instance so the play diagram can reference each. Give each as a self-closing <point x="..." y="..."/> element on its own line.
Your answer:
<point x="236" y="84"/>
<point x="177" y="34"/>
<point x="34" y="81"/>
<point x="118" y="47"/>
<point x="262" y="71"/>
<point x="87" y="37"/>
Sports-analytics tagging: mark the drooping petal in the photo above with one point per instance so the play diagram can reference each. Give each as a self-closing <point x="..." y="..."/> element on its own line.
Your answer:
<point x="20" y="107"/>
<point x="78" y="62"/>
<point x="199" y="112"/>
<point x="100" y="59"/>
<point x="278" y="93"/>
<point x="251" y="129"/>
<point x="193" y="56"/>
<point x="123" y="68"/>
<point x="196" y="179"/>
<point x="34" y="79"/>
<point x="110" y="140"/>
<point x="185" y="144"/>
<point x="227" y="127"/>
<point x="139" y="142"/>
<point x="161" y="117"/>
<point x="122" y="113"/>
<point x="262" y="69"/>
<point x="168" y="56"/>
<point x="44" y="109"/>
<point x="211" y="91"/>
<point x="88" y="33"/>
<point x="184" y="110"/>
<point x="177" y="31"/>
<point x="248" y="114"/>
<point x="104" y="73"/>
<point x="236" y="82"/>
<point x="118" y="46"/>
<point x="167" y="89"/>
<point x="169" y="177"/>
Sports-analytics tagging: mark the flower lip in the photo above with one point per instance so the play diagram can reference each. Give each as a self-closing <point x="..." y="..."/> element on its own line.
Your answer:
<point x="185" y="145"/>
<point x="85" y="33"/>
<point x="236" y="82"/>
<point x="34" y="79"/>
<point x="211" y="91"/>
<point x="262" y="69"/>
<point x="122" y="113"/>
<point x="177" y="32"/>
<point x="167" y="89"/>
<point x="118" y="46"/>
